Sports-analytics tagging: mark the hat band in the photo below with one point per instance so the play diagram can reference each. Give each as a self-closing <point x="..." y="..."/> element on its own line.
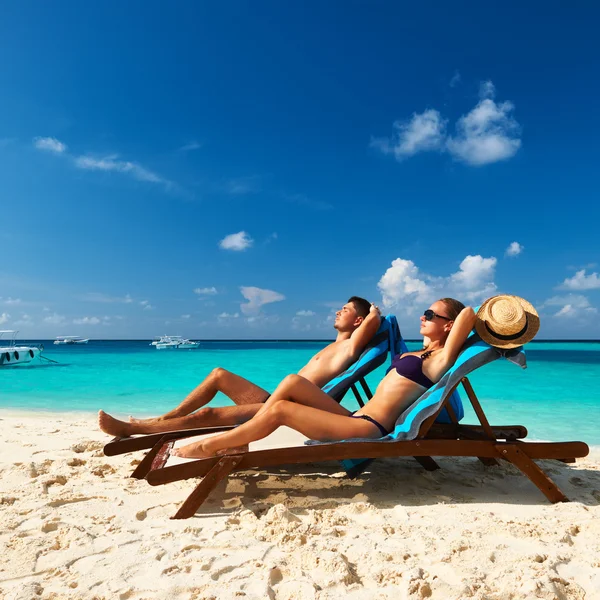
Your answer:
<point x="507" y="338"/>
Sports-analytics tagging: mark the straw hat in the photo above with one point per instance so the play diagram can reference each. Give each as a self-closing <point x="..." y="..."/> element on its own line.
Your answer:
<point x="507" y="321"/>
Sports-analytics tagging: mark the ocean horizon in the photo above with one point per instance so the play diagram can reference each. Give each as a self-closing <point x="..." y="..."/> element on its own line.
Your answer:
<point x="327" y="340"/>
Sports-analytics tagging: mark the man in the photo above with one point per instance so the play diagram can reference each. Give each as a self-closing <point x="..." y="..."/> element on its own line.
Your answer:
<point x="356" y="323"/>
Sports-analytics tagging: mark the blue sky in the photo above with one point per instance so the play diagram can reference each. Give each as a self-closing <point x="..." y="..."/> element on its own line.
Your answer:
<point x="236" y="170"/>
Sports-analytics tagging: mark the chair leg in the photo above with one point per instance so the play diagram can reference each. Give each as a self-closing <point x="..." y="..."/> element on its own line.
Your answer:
<point x="427" y="463"/>
<point x="145" y="465"/>
<point x="207" y="485"/>
<point x="518" y="458"/>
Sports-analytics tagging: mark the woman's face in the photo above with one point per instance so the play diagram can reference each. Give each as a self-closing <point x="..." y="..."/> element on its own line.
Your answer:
<point x="439" y="326"/>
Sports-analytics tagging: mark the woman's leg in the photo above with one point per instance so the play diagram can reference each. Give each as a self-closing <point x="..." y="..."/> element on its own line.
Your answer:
<point x="313" y="423"/>
<point x="300" y="390"/>
<point x="240" y="390"/>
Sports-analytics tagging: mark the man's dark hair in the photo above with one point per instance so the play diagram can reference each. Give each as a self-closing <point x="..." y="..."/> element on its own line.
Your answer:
<point x="361" y="306"/>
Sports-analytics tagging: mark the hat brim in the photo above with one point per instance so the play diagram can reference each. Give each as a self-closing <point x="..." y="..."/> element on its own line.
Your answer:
<point x="533" y="325"/>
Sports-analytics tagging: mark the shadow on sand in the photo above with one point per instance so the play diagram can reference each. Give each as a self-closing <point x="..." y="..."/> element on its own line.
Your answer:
<point x="390" y="482"/>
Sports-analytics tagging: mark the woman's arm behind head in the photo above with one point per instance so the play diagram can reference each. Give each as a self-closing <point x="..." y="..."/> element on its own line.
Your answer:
<point x="463" y="325"/>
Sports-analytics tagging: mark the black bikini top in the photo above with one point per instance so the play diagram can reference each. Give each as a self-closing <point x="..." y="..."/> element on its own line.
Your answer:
<point x="411" y="367"/>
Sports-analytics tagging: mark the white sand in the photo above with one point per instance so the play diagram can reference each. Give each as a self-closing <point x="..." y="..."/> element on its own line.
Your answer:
<point x="72" y="525"/>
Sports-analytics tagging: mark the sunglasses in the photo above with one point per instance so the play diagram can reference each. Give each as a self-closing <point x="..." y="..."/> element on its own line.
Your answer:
<point x="429" y="315"/>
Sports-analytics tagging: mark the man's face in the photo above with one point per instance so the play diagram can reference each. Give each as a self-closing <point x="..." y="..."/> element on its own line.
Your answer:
<point x="347" y="319"/>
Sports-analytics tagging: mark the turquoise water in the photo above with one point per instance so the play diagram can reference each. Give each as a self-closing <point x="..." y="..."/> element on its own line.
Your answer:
<point x="557" y="397"/>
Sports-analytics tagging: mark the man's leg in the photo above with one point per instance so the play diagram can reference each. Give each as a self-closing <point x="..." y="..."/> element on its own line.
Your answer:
<point x="240" y="390"/>
<point x="205" y="417"/>
<point x="293" y="388"/>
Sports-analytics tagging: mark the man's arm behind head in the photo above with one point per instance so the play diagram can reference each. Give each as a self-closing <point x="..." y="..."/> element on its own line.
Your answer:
<point x="364" y="333"/>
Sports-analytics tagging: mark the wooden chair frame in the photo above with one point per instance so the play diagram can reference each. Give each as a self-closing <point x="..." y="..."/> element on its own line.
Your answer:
<point x="483" y="441"/>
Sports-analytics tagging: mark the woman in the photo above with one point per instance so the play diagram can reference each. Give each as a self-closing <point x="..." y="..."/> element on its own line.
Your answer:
<point x="299" y="404"/>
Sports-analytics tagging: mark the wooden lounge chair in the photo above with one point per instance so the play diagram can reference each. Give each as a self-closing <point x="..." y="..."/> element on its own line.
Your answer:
<point x="387" y="339"/>
<point x="416" y="435"/>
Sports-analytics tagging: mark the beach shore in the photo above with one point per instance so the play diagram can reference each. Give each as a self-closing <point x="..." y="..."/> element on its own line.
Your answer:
<point x="73" y="525"/>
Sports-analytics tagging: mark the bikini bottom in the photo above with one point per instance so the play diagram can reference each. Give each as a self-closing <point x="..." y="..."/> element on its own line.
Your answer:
<point x="381" y="428"/>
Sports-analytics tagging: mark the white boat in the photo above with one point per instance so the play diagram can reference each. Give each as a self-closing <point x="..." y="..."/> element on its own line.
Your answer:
<point x="70" y="339"/>
<point x="174" y="342"/>
<point x="11" y="354"/>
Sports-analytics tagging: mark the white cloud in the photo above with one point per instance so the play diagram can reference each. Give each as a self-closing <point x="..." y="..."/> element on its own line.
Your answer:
<point x="487" y="90"/>
<point x="581" y="281"/>
<point x="106" y="163"/>
<point x="186" y="316"/>
<point x="205" y="291"/>
<point x="401" y="281"/>
<point x="404" y="286"/>
<point x="424" y="131"/>
<point x="474" y="279"/>
<point x="488" y="133"/>
<point x="12" y="301"/>
<point x="193" y="145"/>
<point x="4" y="318"/>
<point x="300" y="322"/>
<point x="572" y="305"/>
<point x="87" y="321"/>
<point x="49" y="144"/>
<point x="225" y="315"/>
<point x="236" y="241"/>
<point x="110" y="163"/>
<point x="242" y="186"/>
<point x="24" y="321"/>
<point x="54" y="319"/>
<point x="106" y="298"/>
<point x="567" y="310"/>
<point x="258" y="297"/>
<point x="303" y="200"/>
<point x="514" y="249"/>
<point x="455" y="79"/>
<point x="146" y="304"/>
<point x="257" y="321"/>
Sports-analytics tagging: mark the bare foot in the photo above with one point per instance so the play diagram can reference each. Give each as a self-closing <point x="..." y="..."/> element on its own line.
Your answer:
<point x="112" y="426"/>
<point x="196" y="450"/>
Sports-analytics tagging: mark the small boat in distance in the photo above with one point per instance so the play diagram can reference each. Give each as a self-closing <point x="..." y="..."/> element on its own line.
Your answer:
<point x="174" y="342"/>
<point x="70" y="339"/>
<point x="11" y="354"/>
